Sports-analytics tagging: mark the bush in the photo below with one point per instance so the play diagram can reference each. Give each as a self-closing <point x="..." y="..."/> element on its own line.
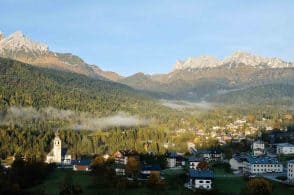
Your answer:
<point x="258" y="186"/>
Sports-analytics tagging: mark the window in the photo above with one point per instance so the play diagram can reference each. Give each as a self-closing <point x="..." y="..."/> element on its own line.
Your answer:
<point x="200" y="181"/>
<point x="207" y="181"/>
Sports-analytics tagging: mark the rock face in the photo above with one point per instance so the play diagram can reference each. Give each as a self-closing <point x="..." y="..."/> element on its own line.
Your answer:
<point x="1" y="36"/>
<point x="206" y="77"/>
<point x="253" y="60"/>
<point x="197" y="62"/>
<point x="19" y="47"/>
<point x="236" y="58"/>
<point x="18" y="42"/>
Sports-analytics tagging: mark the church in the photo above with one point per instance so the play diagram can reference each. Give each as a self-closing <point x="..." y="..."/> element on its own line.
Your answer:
<point x="58" y="154"/>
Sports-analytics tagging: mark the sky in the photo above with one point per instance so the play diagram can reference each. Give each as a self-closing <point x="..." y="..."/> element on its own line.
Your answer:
<point x="129" y="36"/>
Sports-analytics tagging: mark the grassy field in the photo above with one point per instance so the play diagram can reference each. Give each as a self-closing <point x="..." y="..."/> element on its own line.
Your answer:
<point x="224" y="182"/>
<point x="229" y="183"/>
<point x="53" y="182"/>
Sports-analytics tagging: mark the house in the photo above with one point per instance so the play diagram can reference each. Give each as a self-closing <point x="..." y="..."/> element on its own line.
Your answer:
<point x="121" y="156"/>
<point x="194" y="161"/>
<point x="262" y="164"/>
<point x="120" y="169"/>
<point x="81" y="165"/>
<point x="180" y="161"/>
<point x="214" y="154"/>
<point x="200" y="179"/>
<point x="175" y="160"/>
<point x="65" y="156"/>
<point x="285" y="148"/>
<point x="57" y="154"/>
<point x="236" y="162"/>
<point x="258" y="148"/>
<point x="236" y="165"/>
<point x="290" y="170"/>
<point x="171" y="158"/>
<point x="148" y="169"/>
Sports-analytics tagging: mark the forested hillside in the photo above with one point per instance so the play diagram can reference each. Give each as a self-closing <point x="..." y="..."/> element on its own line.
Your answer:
<point x="25" y="85"/>
<point x="271" y="94"/>
<point x="34" y="100"/>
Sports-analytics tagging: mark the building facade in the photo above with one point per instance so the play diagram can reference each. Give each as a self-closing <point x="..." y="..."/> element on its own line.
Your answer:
<point x="200" y="179"/>
<point x="58" y="154"/>
<point x="55" y="154"/>
<point x="285" y="148"/>
<point x="193" y="162"/>
<point x="262" y="164"/>
<point x="290" y="170"/>
<point x="258" y="148"/>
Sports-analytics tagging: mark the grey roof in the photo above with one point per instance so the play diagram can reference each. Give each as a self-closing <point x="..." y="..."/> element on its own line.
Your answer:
<point x="64" y="151"/>
<point x="171" y="155"/>
<point x="201" y="174"/>
<point x="291" y="161"/>
<point x="285" y="145"/>
<point x="195" y="159"/>
<point x="81" y="162"/>
<point x="258" y="142"/>
<point x="150" y="167"/>
<point x="261" y="160"/>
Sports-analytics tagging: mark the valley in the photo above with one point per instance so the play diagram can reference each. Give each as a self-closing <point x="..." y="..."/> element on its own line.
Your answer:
<point x="203" y="104"/>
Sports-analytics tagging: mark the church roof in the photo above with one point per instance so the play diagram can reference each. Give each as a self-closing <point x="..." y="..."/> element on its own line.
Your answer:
<point x="64" y="151"/>
<point x="50" y="153"/>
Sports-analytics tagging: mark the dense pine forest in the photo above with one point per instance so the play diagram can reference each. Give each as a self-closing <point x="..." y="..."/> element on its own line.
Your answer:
<point x="24" y="87"/>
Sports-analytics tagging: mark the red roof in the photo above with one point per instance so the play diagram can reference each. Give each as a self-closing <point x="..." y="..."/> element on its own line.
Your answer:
<point x="81" y="167"/>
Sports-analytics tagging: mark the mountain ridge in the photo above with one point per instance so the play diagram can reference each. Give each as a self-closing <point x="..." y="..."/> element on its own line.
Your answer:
<point x="19" y="47"/>
<point x="238" y="57"/>
<point x="197" y="78"/>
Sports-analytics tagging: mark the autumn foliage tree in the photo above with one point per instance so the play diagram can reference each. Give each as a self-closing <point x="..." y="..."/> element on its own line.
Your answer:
<point x="132" y="166"/>
<point x="258" y="186"/>
<point x="154" y="181"/>
<point x="202" y="165"/>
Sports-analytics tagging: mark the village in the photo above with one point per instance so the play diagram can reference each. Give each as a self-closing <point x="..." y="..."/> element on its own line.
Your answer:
<point x="263" y="154"/>
<point x="198" y="165"/>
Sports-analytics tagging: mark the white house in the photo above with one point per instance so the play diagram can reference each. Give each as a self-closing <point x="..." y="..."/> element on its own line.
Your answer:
<point x="214" y="154"/>
<point x="285" y="148"/>
<point x="262" y="164"/>
<point x="236" y="164"/>
<point x="171" y="159"/>
<point x="121" y="156"/>
<point x="175" y="160"/>
<point x="258" y="148"/>
<point x="193" y="162"/>
<point x="200" y="179"/>
<point x="57" y="154"/>
<point x="290" y="170"/>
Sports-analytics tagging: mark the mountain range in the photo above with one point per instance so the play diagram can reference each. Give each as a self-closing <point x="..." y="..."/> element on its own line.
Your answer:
<point x="19" y="47"/>
<point x="196" y="78"/>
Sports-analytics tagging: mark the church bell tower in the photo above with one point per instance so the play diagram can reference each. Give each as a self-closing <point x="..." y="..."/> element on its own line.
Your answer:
<point x="57" y="149"/>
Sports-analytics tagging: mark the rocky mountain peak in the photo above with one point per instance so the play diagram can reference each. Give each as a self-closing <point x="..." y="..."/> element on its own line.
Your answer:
<point x="236" y="58"/>
<point x="254" y="60"/>
<point x="197" y="62"/>
<point x="17" y="41"/>
<point x="2" y="36"/>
